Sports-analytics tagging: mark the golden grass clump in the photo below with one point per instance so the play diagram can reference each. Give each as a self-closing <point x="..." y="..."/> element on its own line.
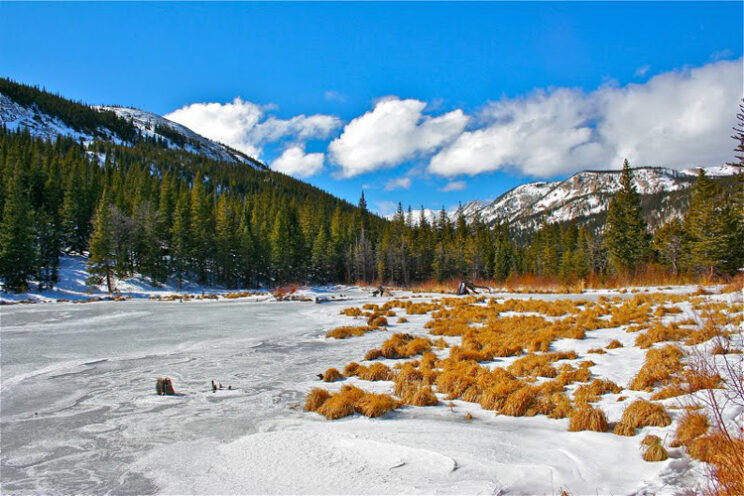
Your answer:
<point x="344" y="332"/>
<point x="351" y="312"/>
<point x="598" y="351"/>
<point x="341" y="404"/>
<point x="315" y="399"/>
<point x="332" y="375"/>
<point x="351" y="369"/>
<point x="373" y="354"/>
<point x="632" y="311"/>
<point x="348" y="401"/>
<point x="375" y="372"/>
<point x="404" y="346"/>
<point x="423" y="396"/>
<point x="660" y="332"/>
<point x="691" y="426"/>
<point x="588" y="393"/>
<point x="726" y="455"/>
<point x="539" y="365"/>
<point x="577" y="375"/>
<point x="376" y="405"/>
<point x="402" y="320"/>
<point x="641" y="413"/>
<point x="587" y="419"/>
<point x="377" y="321"/>
<point x="561" y="406"/>
<point x="654" y="452"/>
<point x="441" y="343"/>
<point x="614" y="344"/>
<point x="658" y="368"/>
<point x="520" y="402"/>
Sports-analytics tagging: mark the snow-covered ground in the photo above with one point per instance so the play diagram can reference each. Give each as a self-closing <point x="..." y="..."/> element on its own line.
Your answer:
<point x="79" y="413"/>
<point x="73" y="274"/>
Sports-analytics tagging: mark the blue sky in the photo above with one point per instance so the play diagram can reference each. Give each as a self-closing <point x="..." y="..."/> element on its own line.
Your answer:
<point x="416" y="97"/>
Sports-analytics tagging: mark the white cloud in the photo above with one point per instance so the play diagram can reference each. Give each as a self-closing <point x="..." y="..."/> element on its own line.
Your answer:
<point x="334" y="96"/>
<point x="676" y="119"/>
<point x="642" y="71"/>
<point x="295" y="162"/>
<point x="398" y="183"/>
<point x="394" y="131"/>
<point x="537" y="134"/>
<point x="245" y="127"/>
<point x="453" y="186"/>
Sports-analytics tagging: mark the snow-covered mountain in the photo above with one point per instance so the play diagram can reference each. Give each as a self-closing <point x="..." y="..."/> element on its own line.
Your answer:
<point x="14" y="115"/>
<point x="179" y="136"/>
<point x="582" y="195"/>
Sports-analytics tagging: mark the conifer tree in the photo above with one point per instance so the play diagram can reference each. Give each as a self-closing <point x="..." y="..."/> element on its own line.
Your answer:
<point x="709" y="228"/>
<point x="668" y="243"/>
<point x="626" y="233"/>
<point x="16" y="238"/>
<point x="102" y="261"/>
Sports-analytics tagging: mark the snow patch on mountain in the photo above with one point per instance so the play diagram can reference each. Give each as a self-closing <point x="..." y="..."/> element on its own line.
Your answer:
<point x="583" y="194"/>
<point x="15" y="116"/>
<point x="181" y="137"/>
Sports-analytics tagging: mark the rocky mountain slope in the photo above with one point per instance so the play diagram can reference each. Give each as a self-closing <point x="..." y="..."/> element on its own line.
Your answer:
<point x="46" y="115"/>
<point x="581" y="196"/>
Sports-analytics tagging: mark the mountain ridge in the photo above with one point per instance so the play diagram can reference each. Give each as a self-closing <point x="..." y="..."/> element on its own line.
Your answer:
<point x="584" y="194"/>
<point x="47" y="115"/>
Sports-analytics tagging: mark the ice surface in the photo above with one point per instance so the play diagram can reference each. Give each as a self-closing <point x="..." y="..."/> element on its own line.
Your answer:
<point x="78" y="413"/>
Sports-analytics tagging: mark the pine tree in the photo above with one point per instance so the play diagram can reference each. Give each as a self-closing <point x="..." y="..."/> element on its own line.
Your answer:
<point x="626" y="233"/>
<point x="709" y="228"/>
<point x="16" y="238"/>
<point x="102" y="261"/>
<point x="668" y="243"/>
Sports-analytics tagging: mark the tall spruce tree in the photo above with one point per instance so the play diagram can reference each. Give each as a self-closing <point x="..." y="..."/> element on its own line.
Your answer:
<point x="626" y="233"/>
<point x="16" y="238"/>
<point x="102" y="261"/>
<point x="709" y="229"/>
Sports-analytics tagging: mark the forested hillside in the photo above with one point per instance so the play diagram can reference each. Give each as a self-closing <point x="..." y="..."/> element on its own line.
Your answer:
<point x="173" y="215"/>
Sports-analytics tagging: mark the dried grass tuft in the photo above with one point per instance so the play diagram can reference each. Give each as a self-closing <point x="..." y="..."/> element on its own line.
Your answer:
<point x="332" y="375"/>
<point x="642" y="413"/>
<point x="655" y="452"/>
<point x="691" y="425"/>
<point x="614" y="344"/>
<point x="315" y="399"/>
<point x="587" y="419"/>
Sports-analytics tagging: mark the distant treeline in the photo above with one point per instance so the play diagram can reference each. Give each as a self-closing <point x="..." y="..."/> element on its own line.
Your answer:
<point x="169" y="214"/>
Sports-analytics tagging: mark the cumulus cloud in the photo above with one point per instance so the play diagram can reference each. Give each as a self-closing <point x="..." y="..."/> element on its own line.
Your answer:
<point x="453" y="186"/>
<point x="246" y="127"/>
<point x="295" y="162"/>
<point x="394" y="131"/>
<point x="677" y="119"/>
<point x="398" y="183"/>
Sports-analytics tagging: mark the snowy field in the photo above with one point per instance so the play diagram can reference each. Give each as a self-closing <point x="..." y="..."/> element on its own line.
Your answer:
<point x="79" y="412"/>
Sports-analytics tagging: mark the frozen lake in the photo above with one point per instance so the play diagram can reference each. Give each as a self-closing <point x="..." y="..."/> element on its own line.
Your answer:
<point x="79" y="413"/>
<point x="78" y="403"/>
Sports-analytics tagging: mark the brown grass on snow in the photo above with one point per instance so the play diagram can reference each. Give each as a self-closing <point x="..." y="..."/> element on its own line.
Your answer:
<point x="587" y="419"/>
<point x="641" y="413"/>
<point x="654" y="452"/>
<point x="348" y="401"/>
<point x="315" y="399"/>
<point x="691" y="426"/>
<point x="660" y="366"/>
<point x="332" y="375"/>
